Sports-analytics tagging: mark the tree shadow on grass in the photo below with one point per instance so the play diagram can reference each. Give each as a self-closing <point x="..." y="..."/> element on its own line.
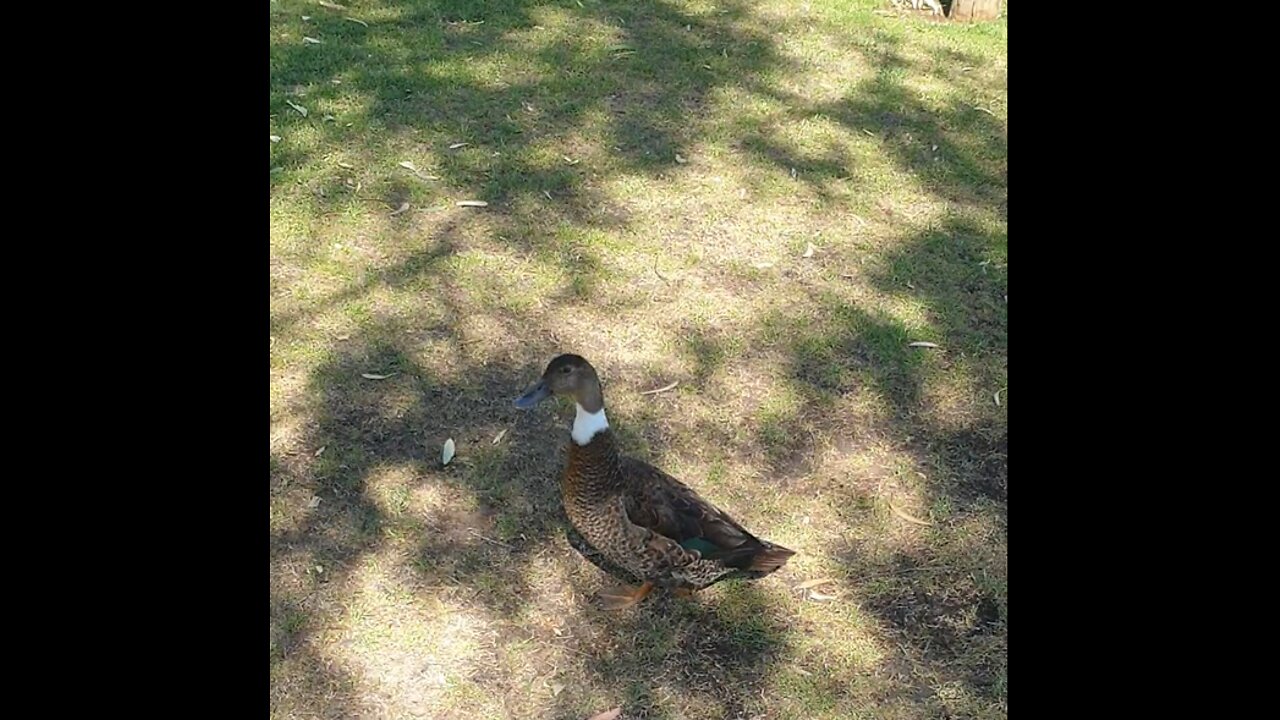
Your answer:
<point x="944" y="600"/>
<point x="945" y="596"/>
<point x="953" y="150"/>
<point x="505" y="511"/>
<point x="643" y="69"/>
<point x="682" y="658"/>
<point x="942" y="597"/>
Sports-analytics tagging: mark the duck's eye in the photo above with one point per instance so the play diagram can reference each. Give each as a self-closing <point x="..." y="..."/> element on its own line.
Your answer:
<point x="565" y="370"/>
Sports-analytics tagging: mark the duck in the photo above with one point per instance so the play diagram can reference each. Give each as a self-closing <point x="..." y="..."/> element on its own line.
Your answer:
<point x="634" y="516"/>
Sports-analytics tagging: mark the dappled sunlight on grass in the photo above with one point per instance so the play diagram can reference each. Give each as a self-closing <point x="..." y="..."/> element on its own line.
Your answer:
<point x="654" y="172"/>
<point x="408" y="649"/>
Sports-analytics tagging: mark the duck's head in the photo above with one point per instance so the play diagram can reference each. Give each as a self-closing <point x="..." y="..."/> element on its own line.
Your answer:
<point x="569" y="375"/>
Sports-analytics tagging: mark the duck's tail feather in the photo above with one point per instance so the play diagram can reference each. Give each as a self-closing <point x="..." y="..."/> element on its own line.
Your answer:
<point x="770" y="558"/>
<point x="756" y="559"/>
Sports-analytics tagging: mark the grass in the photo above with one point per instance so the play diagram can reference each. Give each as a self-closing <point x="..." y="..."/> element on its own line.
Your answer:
<point x="654" y="170"/>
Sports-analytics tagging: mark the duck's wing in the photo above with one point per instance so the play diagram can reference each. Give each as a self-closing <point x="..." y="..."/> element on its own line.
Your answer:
<point x="662" y="504"/>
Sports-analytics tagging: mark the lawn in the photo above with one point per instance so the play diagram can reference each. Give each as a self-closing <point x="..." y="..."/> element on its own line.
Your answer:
<point x="765" y="201"/>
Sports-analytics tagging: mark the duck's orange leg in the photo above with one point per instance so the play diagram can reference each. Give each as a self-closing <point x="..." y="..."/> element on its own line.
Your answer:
<point x="625" y="596"/>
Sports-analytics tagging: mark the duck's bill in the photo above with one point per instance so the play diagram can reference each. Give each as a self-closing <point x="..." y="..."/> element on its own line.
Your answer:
<point x="533" y="395"/>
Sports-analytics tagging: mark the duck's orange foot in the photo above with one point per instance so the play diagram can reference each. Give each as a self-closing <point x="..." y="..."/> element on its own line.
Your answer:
<point x="625" y="596"/>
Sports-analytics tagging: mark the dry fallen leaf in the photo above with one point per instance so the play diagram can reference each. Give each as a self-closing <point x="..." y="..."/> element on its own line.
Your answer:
<point x="455" y="146"/>
<point x="408" y="165"/>
<point x="808" y="251"/>
<point x="357" y="20"/>
<point x="904" y="516"/>
<point x="275" y="138"/>
<point x="498" y="438"/>
<point x="923" y="345"/>
<point x="314" y="502"/>
<point x="375" y="376"/>
<point x="311" y="41"/>
<point x="301" y="110"/>
<point x="472" y="203"/>
<point x="321" y="450"/>
<point x="821" y="597"/>
<point x="680" y="159"/>
<point x="404" y="207"/>
<point x="447" y="453"/>
<point x="812" y="583"/>
<point x="664" y="388"/>
<point x="544" y="192"/>
<point x="570" y="160"/>
<point x="556" y="689"/>
<point x="997" y="396"/>
<point x="331" y="5"/>
<point x="607" y="714"/>
<point x="347" y="166"/>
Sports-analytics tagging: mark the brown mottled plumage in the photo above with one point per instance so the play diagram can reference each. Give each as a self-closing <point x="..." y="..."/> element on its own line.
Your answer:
<point x="639" y="518"/>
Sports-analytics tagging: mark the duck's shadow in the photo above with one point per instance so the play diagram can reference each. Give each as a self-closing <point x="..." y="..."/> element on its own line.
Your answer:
<point x="677" y="657"/>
